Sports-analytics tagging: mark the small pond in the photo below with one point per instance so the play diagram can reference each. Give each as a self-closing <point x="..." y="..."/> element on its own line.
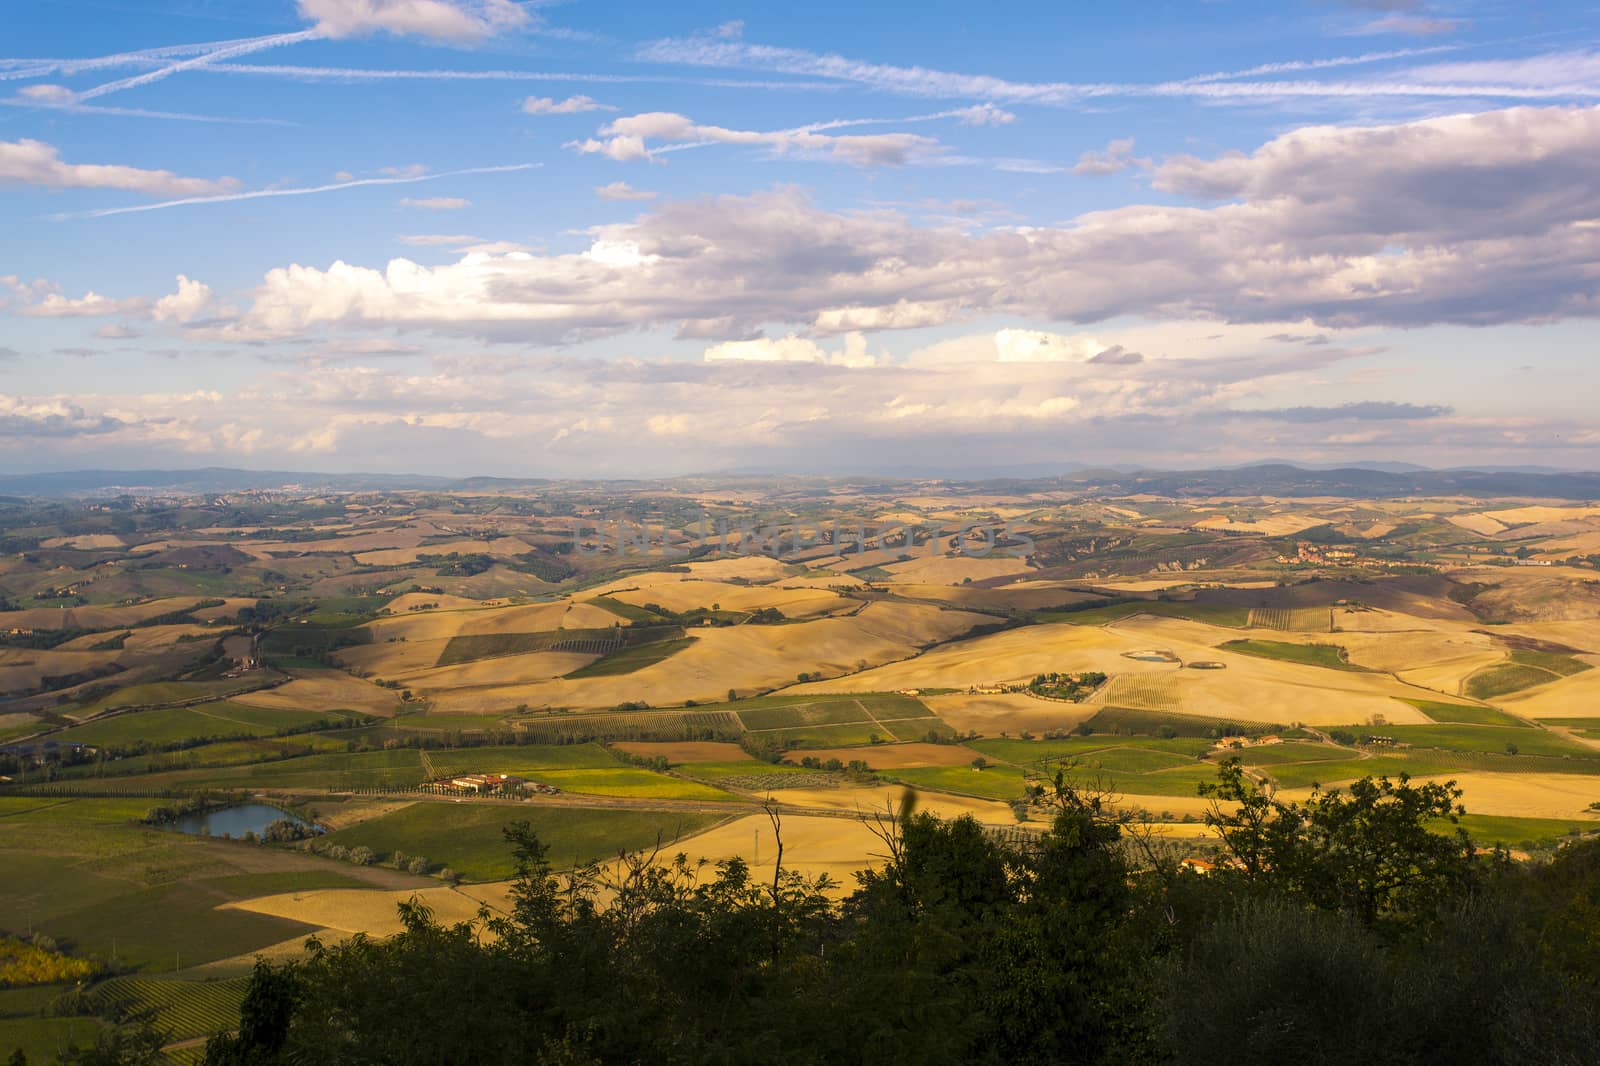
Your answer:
<point x="233" y="821"/>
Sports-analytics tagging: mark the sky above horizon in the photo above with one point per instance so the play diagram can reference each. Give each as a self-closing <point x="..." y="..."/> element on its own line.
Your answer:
<point x="606" y="239"/>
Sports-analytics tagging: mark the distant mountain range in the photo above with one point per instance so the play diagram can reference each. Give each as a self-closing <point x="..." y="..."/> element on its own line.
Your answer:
<point x="1369" y="480"/>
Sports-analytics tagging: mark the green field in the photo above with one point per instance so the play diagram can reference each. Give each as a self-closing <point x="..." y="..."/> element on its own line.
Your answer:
<point x="468" y="837"/>
<point x="632" y="658"/>
<point x="1032" y="753"/>
<point x="1281" y="754"/>
<point x="856" y="734"/>
<point x="1488" y="829"/>
<point x="84" y="872"/>
<point x="833" y="712"/>
<point x="465" y="649"/>
<point x="1522" y="669"/>
<point x="626" y="611"/>
<point x="522" y="759"/>
<point x="1151" y="723"/>
<point x="42" y="1039"/>
<point x="171" y="725"/>
<point x="1464" y="713"/>
<point x="1505" y="678"/>
<point x="740" y="769"/>
<point x="632" y="782"/>
<point x="917" y="728"/>
<point x="1217" y="614"/>
<point x="1331" y="656"/>
<point x="1557" y="663"/>
<point x="1003" y="783"/>
<point x="182" y="1009"/>
<point x="1489" y="738"/>
<point x="166" y="692"/>
<point x="1303" y="775"/>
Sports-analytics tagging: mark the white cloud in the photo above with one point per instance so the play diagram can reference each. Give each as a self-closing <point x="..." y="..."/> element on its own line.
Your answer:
<point x="436" y="203"/>
<point x="89" y="305"/>
<point x="37" y="163"/>
<point x="1118" y="156"/>
<point x="793" y="349"/>
<point x="1467" y="219"/>
<point x="625" y="141"/>
<point x="192" y="299"/>
<point x="1038" y="346"/>
<point x="572" y="105"/>
<point x="116" y="332"/>
<point x="621" y="190"/>
<point x="444" y="20"/>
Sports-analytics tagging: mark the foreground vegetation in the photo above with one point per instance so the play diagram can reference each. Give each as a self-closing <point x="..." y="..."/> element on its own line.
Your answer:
<point x="1342" y="930"/>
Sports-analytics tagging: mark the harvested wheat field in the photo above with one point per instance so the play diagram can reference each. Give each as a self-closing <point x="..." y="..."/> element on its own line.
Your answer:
<point x="1481" y="524"/>
<point x="1271" y="525"/>
<point x="1577" y="696"/>
<point x="745" y="658"/>
<point x="84" y="541"/>
<point x="147" y="638"/>
<point x="93" y="617"/>
<point x="587" y="616"/>
<point x="1419" y="651"/>
<point x="1373" y="620"/>
<point x="501" y="670"/>
<point x="1519" y="795"/>
<point x="947" y="570"/>
<point x="1517" y="516"/>
<point x="389" y="659"/>
<point x="1006" y="713"/>
<point x="687" y="595"/>
<point x="332" y="690"/>
<point x="503" y="546"/>
<point x="813" y="845"/>
<point x="373" y="911"/>
<point x="872" y="799"/>
<point x="1013" y="655"/>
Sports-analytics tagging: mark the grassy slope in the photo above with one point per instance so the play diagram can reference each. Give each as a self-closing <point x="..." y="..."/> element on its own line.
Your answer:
<point x="1330" y="656"/>
<point x="470" y="837"/>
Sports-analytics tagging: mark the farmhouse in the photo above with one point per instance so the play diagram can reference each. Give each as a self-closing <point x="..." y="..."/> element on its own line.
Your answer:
<point x="482" y="784"/>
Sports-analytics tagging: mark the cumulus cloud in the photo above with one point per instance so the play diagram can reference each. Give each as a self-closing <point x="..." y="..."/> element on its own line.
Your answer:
<point x="572" y="105"/>
<point x="460" y="21"/>
<point x="22" y="417"/>
<point x="192" y="299"/>
<point x="1038" y="346"/>
<point x="793" y="349"/>
<point x="1471" y="219"/>
<point x="31" y="162"/>
<point x="790" y="402"/>
<point x="116" y="332"/>
<point x="1117" y="157"/>
<point x="89" y="305"/>
<point x="621" y="190"/>
<point x="625" y="141"/>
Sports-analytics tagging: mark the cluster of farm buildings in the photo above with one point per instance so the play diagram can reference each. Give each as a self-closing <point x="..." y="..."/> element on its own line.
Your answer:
<point x="507" y="785"/>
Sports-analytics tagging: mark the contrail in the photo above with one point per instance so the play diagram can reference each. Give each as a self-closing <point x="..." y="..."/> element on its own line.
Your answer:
<point x="258" y="194"/>
<point x="139" y="57"/>
<point x="256" y="44"/>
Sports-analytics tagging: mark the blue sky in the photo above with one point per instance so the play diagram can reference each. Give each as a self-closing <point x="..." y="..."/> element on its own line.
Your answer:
<point x="586" y="238"/>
